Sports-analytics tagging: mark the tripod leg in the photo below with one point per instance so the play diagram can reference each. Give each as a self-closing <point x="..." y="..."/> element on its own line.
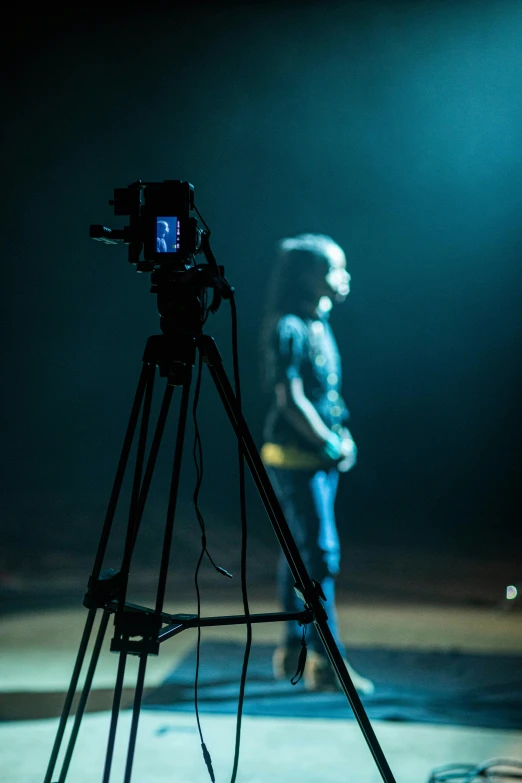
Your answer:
<point x="146" y="371"/>
<point x="133" y="523"/>
<point x="139" y="495"/>
<point x="141" y="488"/>
<point x="102" y="590"/>
<point x="94" y="602"/>
<point x="70" y="693"/>
<point x="139" y="499"/>
<point x="114" y="716"/>
<point x="151" y="462"/>
<point x="85" y="695"/>
<point x="289" y="547"/>
<point x="174" y="486"/>
<point x="135" y="717"/>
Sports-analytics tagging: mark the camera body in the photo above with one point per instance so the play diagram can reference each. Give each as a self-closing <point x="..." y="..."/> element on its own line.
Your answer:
<point x="163" y="229"/>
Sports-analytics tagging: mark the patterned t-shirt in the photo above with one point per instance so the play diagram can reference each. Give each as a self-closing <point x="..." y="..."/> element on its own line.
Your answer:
<point x="307" y="349"/>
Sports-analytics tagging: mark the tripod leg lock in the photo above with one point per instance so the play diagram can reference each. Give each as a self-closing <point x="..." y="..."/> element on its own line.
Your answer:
<point x="129" y="625"/>
<point x="300" y="591"/>
<point x="103" y="590"/>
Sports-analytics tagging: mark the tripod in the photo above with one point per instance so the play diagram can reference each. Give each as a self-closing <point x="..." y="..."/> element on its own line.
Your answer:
<point x="140" y="630"/>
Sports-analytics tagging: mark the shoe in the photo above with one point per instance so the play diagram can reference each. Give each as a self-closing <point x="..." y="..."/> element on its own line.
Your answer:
<point x="319" y="675"/>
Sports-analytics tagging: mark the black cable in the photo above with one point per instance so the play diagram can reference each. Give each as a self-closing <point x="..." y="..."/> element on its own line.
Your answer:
<point x="497" y="769"/>
<point x="206" y="308"/>
<point x="494" y="770"/>
<point x="198" y="461"/>
<point x="244" y="539"/>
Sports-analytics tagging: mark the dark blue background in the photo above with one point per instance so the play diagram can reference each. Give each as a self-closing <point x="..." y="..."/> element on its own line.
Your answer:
<point x="394" y="127"/>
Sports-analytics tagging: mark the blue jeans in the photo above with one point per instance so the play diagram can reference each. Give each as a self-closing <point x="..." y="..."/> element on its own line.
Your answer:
<point x="307" y="498"/>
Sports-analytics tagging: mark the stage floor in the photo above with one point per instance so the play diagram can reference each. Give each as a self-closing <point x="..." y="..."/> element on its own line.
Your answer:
<point x="37" y="651"/>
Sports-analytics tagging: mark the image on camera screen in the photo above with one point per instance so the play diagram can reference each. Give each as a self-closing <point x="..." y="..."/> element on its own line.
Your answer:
<point x="167" y="234"/>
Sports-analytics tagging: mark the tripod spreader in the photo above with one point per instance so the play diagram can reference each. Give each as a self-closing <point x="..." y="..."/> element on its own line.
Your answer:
<point x="138" y="629"/>
<point x="138" y="621"/>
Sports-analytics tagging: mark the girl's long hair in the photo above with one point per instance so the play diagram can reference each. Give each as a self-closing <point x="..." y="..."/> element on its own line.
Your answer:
<point x="288" y="291"/>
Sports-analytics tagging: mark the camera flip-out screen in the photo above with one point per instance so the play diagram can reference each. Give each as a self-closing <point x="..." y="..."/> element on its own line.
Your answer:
<point x="167" y="234"/>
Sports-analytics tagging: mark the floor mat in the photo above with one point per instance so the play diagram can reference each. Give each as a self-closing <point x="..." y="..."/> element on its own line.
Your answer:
<point x="410" y="685"/>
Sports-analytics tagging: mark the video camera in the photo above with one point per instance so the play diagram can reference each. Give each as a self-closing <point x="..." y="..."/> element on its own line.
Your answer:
<point x="163" y="224"/>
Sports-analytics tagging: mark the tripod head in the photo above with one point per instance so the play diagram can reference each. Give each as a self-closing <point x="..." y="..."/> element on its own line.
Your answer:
<point x="165" y="234"/>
